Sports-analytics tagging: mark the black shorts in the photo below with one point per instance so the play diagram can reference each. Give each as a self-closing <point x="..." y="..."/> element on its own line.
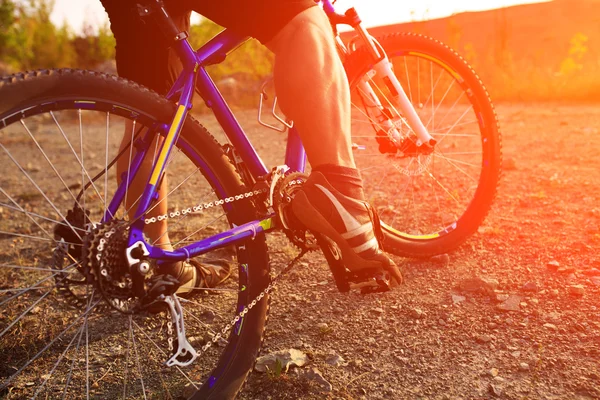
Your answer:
<point x="142" y="51"/>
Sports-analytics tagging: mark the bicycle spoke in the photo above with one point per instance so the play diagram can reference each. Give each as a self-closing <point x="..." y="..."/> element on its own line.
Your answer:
<point x="34" y="358"/>
<point x="39" y="189"/>
<point x="137" y="357"/>
<point x="60" y="178"/>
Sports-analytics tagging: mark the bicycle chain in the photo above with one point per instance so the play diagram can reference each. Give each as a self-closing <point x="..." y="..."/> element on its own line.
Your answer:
<point x="258" y="298"/>
<point x="204" y="206"/>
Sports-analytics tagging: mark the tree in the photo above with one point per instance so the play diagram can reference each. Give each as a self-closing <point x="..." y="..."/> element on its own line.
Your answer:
<point x="7" y="19"/>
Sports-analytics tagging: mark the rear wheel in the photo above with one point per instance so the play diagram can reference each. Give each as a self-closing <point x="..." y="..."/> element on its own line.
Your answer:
<point x="429" y="201"/>
<point x="60" y="138"/>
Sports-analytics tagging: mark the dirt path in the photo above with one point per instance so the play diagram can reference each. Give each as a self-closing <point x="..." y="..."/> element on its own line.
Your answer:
<point x="443" y="335"/>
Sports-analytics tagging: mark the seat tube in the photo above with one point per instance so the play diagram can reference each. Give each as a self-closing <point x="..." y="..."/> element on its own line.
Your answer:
<point x="295" y="155"/>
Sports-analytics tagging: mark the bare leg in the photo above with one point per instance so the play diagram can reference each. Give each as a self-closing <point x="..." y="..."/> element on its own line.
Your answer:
<point x="156" y="232"/>
<point x="312" y="87"/>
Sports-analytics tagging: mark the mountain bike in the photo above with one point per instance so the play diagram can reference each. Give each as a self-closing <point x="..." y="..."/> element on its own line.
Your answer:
<point x="83" y="311"/>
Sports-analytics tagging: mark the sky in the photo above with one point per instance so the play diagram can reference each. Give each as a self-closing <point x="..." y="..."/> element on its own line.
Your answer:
<point x="372" y="12"/>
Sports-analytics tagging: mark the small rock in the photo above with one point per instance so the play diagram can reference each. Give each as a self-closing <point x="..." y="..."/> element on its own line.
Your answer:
<point x="336" y="360"/>
<point x="516" y="354"/>
<point x="492" y="325"/>
<point x="442" y="322"/>
<point x="456" y="299"/>
<point x="550" y="326"/>
<point x="315" y="376"/>
<point x="595" y="280"/>
<point x="322" y="327"/>
<point x="356" y="363"/>
<point x="441" y="260"/>
<point x="287" y="358"/>
<point x="566" y="270"/>
<point x="530" y="287"/>
<point x="483" y="339"/>
<point x="208" y="315"/>
<point x="478" y="284"/>
<point x="553" y="293"/>
<point x="511" y="304"/>
<point x="502" y="297"/>
<point x="553" y="265"/>
<point x="417" y="314"/>
<point x="377" y="311"/>
<point x="495" y="390"/>
<point x="494" y="372"/>
<point x="576" y="290"/>
<point x="523" y="366"/>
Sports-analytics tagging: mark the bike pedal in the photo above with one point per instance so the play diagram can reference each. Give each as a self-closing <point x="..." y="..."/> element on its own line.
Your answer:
<point x="369" y="281"/>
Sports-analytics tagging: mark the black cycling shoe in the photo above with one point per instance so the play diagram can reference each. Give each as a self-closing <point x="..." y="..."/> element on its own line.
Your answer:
<point x="351" y="224"/>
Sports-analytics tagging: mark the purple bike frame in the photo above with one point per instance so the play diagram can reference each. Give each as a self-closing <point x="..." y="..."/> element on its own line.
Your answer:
<point x="194" y="77"/>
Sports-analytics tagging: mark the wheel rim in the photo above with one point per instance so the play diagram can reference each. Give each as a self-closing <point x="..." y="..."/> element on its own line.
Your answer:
<point x="423" y="196"/>
<point x="68" y="343"/>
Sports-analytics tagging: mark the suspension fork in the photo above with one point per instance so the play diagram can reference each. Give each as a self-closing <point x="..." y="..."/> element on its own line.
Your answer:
<point x="383" y="68"/>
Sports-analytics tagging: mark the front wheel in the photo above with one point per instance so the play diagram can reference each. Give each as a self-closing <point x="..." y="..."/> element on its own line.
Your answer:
<point x="429" y="200"/>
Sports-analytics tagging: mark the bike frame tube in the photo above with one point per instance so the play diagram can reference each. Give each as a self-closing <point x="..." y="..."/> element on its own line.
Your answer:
<point x="295" y="155"/>
<point x="194" y="76"/>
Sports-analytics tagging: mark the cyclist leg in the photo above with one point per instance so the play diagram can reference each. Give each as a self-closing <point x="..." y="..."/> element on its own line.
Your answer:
<point x="313" y="91"/>
<point x="143" y="55"/>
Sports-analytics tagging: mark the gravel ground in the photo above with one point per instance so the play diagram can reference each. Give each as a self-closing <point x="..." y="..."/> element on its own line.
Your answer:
<point x="511" y="314"/>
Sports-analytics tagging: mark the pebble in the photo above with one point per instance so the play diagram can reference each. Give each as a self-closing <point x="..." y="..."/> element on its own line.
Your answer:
<point x="442" y="260"/>
<point x="530" y="287"/>
<point x="495" y="390"/>
<point x="336" y="360"/>
<point x="595" y="280"/>
<point x="566" y="270"/>
<point x="417" y="313"/>
<point x="511" y="304"/>
<point x="287" y="359"/>
<point x="322" y="327"/>
<point x="553" y="265"/>
<point x="502" y="297"/>
<point x="576" y="290"/>
<point x="483" y="338"/>
<point x="553" y="293"/>
<point x="523" y="366"/>
<point x="478" y="284"/>
<point x="377" y="310"/>
<point x="552" y="327"/>
<point x="456" y="299"/>
<point x="494" y="372"/>
<point x="314" y="375"/>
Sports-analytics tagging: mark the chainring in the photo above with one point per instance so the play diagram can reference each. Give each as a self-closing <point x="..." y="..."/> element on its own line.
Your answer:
<point x="284" y="192"/>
